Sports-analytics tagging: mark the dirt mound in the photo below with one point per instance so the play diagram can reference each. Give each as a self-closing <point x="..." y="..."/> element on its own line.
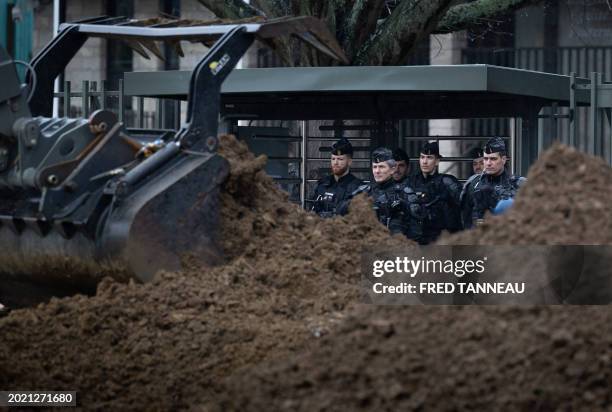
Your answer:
<point x="566" y="201"/>
<point x="466" y="358"/>
<point x="441" y="359"/>
<point x="165" y="345"/>
<point x="278" y="326"/>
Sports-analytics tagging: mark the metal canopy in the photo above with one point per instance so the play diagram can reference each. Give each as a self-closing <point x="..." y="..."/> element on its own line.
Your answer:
<point x="390" y="92"/>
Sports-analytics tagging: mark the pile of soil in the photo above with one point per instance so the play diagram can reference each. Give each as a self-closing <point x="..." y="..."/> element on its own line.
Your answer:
<point x="466" y="358"/>
<point x="289" y="279"/>
<point x="279" y="326"/>
<point x="441" y="359"/>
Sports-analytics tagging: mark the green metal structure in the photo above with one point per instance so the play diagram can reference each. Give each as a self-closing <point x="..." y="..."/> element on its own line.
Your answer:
<point x="385" y="95"/>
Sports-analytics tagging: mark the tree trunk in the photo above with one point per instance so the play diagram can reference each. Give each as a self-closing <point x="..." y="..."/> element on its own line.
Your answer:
<point x="411" y="21"/>
<point x="230" y="9"/>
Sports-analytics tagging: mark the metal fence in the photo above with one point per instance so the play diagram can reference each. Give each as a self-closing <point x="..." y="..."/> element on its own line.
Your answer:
<point x="554" y="121"/>
<point x="133" y="111"/>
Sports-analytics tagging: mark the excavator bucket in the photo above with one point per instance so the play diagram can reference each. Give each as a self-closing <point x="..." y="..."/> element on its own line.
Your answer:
<point x="81" y="199"/>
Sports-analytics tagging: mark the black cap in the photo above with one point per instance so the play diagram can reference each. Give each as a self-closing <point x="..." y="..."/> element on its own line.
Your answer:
<point x="342" y="147"/>
<point x="431" y="148"/>
<point x="382" y="154"/>
<point x="400" y="154"/>
<point x="476" y="153"/>
<point x="496" y="145"/>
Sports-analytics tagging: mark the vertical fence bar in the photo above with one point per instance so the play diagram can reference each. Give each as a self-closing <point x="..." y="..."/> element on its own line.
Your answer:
<point x="120" y="106"/>
<point x="67" y="99"/>
<point x="304" y="153"/>
<point x="592" y="116"/>
<point x="599" y="138"/>
<point x="93" y="96"/>
<point x="543" y="128"/>
<point x="518" y="146"/>
<point x="159" y="108"/>
<point x="103" y="89"/>
<point x="177" y="114"/>
<point x="553" y="125"/>
<point x="140" y="101"/>
<point x="85" y="98"/>
<point x="572" y="114"/>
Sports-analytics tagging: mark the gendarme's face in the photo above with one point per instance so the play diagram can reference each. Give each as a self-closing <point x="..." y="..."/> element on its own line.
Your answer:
<point x="428" y="163"/>
<point x="494" y="163"/>
<point x="340" y="164"/>
<point x="401" y="168"/>
<point x="478" y="165"/>
<point x="382" y="171"/>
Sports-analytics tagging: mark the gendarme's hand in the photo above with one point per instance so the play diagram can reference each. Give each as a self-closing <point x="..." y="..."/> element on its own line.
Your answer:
<point x="396" y="204"/>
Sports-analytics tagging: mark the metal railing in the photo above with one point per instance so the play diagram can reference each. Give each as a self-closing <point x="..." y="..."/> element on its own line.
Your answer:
<point x="131" y="110"/>
<point x="575" y="126"/>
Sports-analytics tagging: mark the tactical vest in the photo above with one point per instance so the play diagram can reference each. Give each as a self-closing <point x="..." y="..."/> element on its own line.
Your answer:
<point x="332" y="197"/>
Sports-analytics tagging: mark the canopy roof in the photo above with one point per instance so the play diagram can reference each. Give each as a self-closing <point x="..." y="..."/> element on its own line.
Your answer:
<point x="390" y="92"/>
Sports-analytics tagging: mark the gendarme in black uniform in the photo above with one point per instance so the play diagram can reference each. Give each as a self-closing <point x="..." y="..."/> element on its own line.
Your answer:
<point x="332" y="194"/>
<point x="439" y="195"/>
<point x="395" y="204"/>
<point x="483" y="191"/>
<point x="400" y="155"/>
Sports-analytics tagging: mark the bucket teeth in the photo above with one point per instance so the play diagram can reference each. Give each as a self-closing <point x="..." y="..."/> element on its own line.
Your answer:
<point x="18" y="224"/>
<point x="38" y="226"/>
<point x="66" y="229"/>
<point x="15" y="224"/>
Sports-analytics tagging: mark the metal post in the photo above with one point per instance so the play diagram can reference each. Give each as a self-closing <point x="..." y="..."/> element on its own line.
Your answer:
<point x="160" y="113"/>
<point x="514" y="128"/>
<point x="529" y="139"/>
<point x="104" y="85"/>
<point x="553" y="125"/>
<point x="304" y="153"/>
<point x="572" y="112"/>
<point x="121" y="108"/>
<point x="57" y="11"/>
<point x="544" y="127"/>
<point x="177" y="114"/>
<point x="66" y="99"/>
<point x="592" y="115"/>
<point x="93" y="87"/>
<point x="599" y="137"/>
<point x="85" y="98"/>
<point x="140" y="101"/>
<point x="518" y="143"/>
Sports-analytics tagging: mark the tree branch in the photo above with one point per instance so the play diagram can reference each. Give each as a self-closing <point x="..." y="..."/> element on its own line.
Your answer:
<point x="463" y="16"/>
<point x="359" y="24"/>
<point x="231" y="9"/>
<point x="411" y="21"/>
<point x="273" y="8"/>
